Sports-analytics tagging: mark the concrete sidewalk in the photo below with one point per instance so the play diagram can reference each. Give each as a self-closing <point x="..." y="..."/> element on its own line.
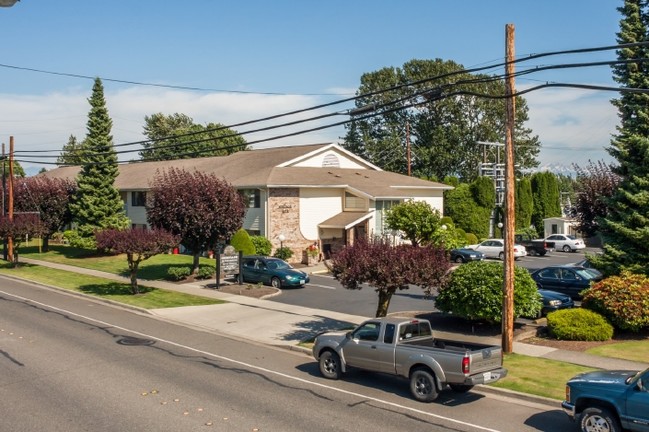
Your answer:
<point x="281" y="325"/>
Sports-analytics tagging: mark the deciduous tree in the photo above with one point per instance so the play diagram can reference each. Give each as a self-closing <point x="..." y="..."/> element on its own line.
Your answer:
<point x="137" y="244"/>
<point x="49" y="198"/>
<point x="416" y="219"/>
<point x="21" y="227"/>
<point x="389" y="269"/>
<point x="595" y="182"/>
<point x="445" y="131"/>
<point x="176" y="136"/>
<point x="202" y="209"/>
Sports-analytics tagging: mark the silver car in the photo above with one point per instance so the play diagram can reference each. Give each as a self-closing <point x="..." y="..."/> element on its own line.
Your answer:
<point x="495" y="248"/>
<point x="565" y="242"/>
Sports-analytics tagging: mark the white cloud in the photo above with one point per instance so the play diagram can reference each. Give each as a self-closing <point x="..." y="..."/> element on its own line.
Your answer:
<point x="573" y="125"/>
<point x="45" y="122"/>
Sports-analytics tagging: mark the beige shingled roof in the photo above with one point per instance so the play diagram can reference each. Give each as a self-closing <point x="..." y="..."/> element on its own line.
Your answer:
<point x="260" y="168"/>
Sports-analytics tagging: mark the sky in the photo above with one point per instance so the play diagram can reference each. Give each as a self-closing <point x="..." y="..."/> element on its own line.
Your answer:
<point x="232" y="62"/>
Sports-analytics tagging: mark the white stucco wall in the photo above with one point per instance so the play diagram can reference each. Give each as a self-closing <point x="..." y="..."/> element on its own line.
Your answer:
<point x="317" y="205"/>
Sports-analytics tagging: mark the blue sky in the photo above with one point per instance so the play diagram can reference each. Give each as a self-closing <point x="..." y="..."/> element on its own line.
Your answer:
<point x="288" y="55"/>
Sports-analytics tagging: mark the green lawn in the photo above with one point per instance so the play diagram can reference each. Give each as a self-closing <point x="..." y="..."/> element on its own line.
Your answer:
<point x="155" y="268"/>
<point x="632" y="350"/>
<point x="150" y="298"/>
<point x="538" y="376"/>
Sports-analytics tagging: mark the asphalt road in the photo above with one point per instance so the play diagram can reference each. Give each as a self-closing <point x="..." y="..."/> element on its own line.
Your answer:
<point x="323" y="292"/>
<point x="72" y="364"/>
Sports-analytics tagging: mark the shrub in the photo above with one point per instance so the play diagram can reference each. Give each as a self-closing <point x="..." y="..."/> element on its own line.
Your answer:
<point x="475" y="291"/>
<point x="76" y="240"/>
<point x="263" y="246"/>
<point x="471" y="238"/>
<point x="623" y="300"/>
<point x="283" y="253"/>
<point x="178" y="273"/>
<point x="241" y="242"/>
<point x="529" y="231"/>
<point x="579" y="324"/>
<point x="206" y="272"/>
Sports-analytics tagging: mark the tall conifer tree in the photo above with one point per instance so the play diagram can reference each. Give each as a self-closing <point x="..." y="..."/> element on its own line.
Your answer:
<point x="625" y="228"/>
<point x="97" y="203"/>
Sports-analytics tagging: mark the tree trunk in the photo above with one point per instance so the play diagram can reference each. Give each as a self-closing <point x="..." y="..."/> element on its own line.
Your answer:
<point x="385" y="295"/>
<point x="133" y="265"/>
<point x="135" y="289"/>
<point x="46" y="243"/>
<point x="195" y="264"/>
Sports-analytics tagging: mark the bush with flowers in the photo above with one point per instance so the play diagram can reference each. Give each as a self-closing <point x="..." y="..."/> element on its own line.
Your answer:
<point x="312" y="251"/>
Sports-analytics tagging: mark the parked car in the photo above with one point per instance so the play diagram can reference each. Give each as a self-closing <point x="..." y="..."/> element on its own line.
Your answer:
<point x="566" y="243"/>
<point x="585" y="263"/>
<point x="554" y="301"/>
<point x="609" y="401"/>
<point x="463" y="255"/>
<point x="495" y="248"/>
<point x="565" y="279"/>
<point x="534" y="246"/>
<point x="272" y="271"/>
<point x="407" y="348"/>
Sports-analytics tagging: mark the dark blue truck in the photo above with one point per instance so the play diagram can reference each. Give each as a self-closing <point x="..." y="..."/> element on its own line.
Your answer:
<point x="609" y="401"/>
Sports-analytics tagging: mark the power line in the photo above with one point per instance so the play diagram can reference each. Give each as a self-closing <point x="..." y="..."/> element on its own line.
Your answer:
<point x="402" y="99"/>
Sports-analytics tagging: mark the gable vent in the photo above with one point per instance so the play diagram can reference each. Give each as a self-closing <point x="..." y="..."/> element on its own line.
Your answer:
<point x="330" y="160"/>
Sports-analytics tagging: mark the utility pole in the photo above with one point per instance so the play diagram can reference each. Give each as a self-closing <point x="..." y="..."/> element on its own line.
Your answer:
<point x="10" y="192"/>
<point x="508" y="285"/>
<point x="4" y="194"/>
<point x="408" y="145"/>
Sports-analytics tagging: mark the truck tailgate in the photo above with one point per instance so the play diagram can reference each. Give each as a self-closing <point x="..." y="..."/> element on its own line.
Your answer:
<point x="486" y="359"/>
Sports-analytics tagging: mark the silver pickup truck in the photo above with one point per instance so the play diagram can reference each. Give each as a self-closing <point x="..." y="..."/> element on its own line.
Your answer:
<point x="407" y="348"/>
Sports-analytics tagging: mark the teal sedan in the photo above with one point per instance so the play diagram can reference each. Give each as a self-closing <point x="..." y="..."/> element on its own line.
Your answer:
<point x="272" y="271"/>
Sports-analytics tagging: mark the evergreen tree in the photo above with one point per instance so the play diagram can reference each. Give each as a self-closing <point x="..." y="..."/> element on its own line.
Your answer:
<point x="625" y="227"/>
<point x="524" y="203"/>
<point x="97" y="203"/>
<point x="70" y="154"/>
<point x="547" y="202"/>
<point x="470" y="206"/>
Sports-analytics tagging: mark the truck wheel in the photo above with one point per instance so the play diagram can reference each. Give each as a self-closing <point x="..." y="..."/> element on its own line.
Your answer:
<point x="460" y="388"/>
<point x="422" y="385"/>
<point x="598" y="420"/>
<point x="542" y="253"/>
<point x="330" y="365"/>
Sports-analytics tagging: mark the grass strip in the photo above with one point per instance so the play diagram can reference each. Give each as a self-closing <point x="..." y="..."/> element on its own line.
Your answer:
<point x="538" y="376"/>
<point x="631" y="350"/>
<point x="149" y="298"/>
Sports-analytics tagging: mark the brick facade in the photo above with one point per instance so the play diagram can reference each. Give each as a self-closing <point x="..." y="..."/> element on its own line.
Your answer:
<point x="284" y="218"/>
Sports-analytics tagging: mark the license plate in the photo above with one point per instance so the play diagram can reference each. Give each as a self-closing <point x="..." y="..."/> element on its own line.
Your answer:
<point x="490" y="376"/>
<point x="302" y="281"/>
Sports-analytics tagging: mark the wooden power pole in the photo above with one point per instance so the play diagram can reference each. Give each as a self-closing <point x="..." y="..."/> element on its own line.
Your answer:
<point x="508" y="285"/>
<point x="10" y="193"/>
<point x="408" y="147"/>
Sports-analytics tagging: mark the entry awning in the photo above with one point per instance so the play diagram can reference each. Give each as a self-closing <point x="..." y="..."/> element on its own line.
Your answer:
<point x="345" y="220"/>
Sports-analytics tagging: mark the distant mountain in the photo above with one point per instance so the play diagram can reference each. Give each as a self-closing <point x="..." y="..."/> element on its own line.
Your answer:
<point x="555" y="168"/>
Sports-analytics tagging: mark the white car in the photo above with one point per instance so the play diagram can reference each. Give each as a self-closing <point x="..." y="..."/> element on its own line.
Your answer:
<point x="565" y="242"/>
<point x="495" y="248"/>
